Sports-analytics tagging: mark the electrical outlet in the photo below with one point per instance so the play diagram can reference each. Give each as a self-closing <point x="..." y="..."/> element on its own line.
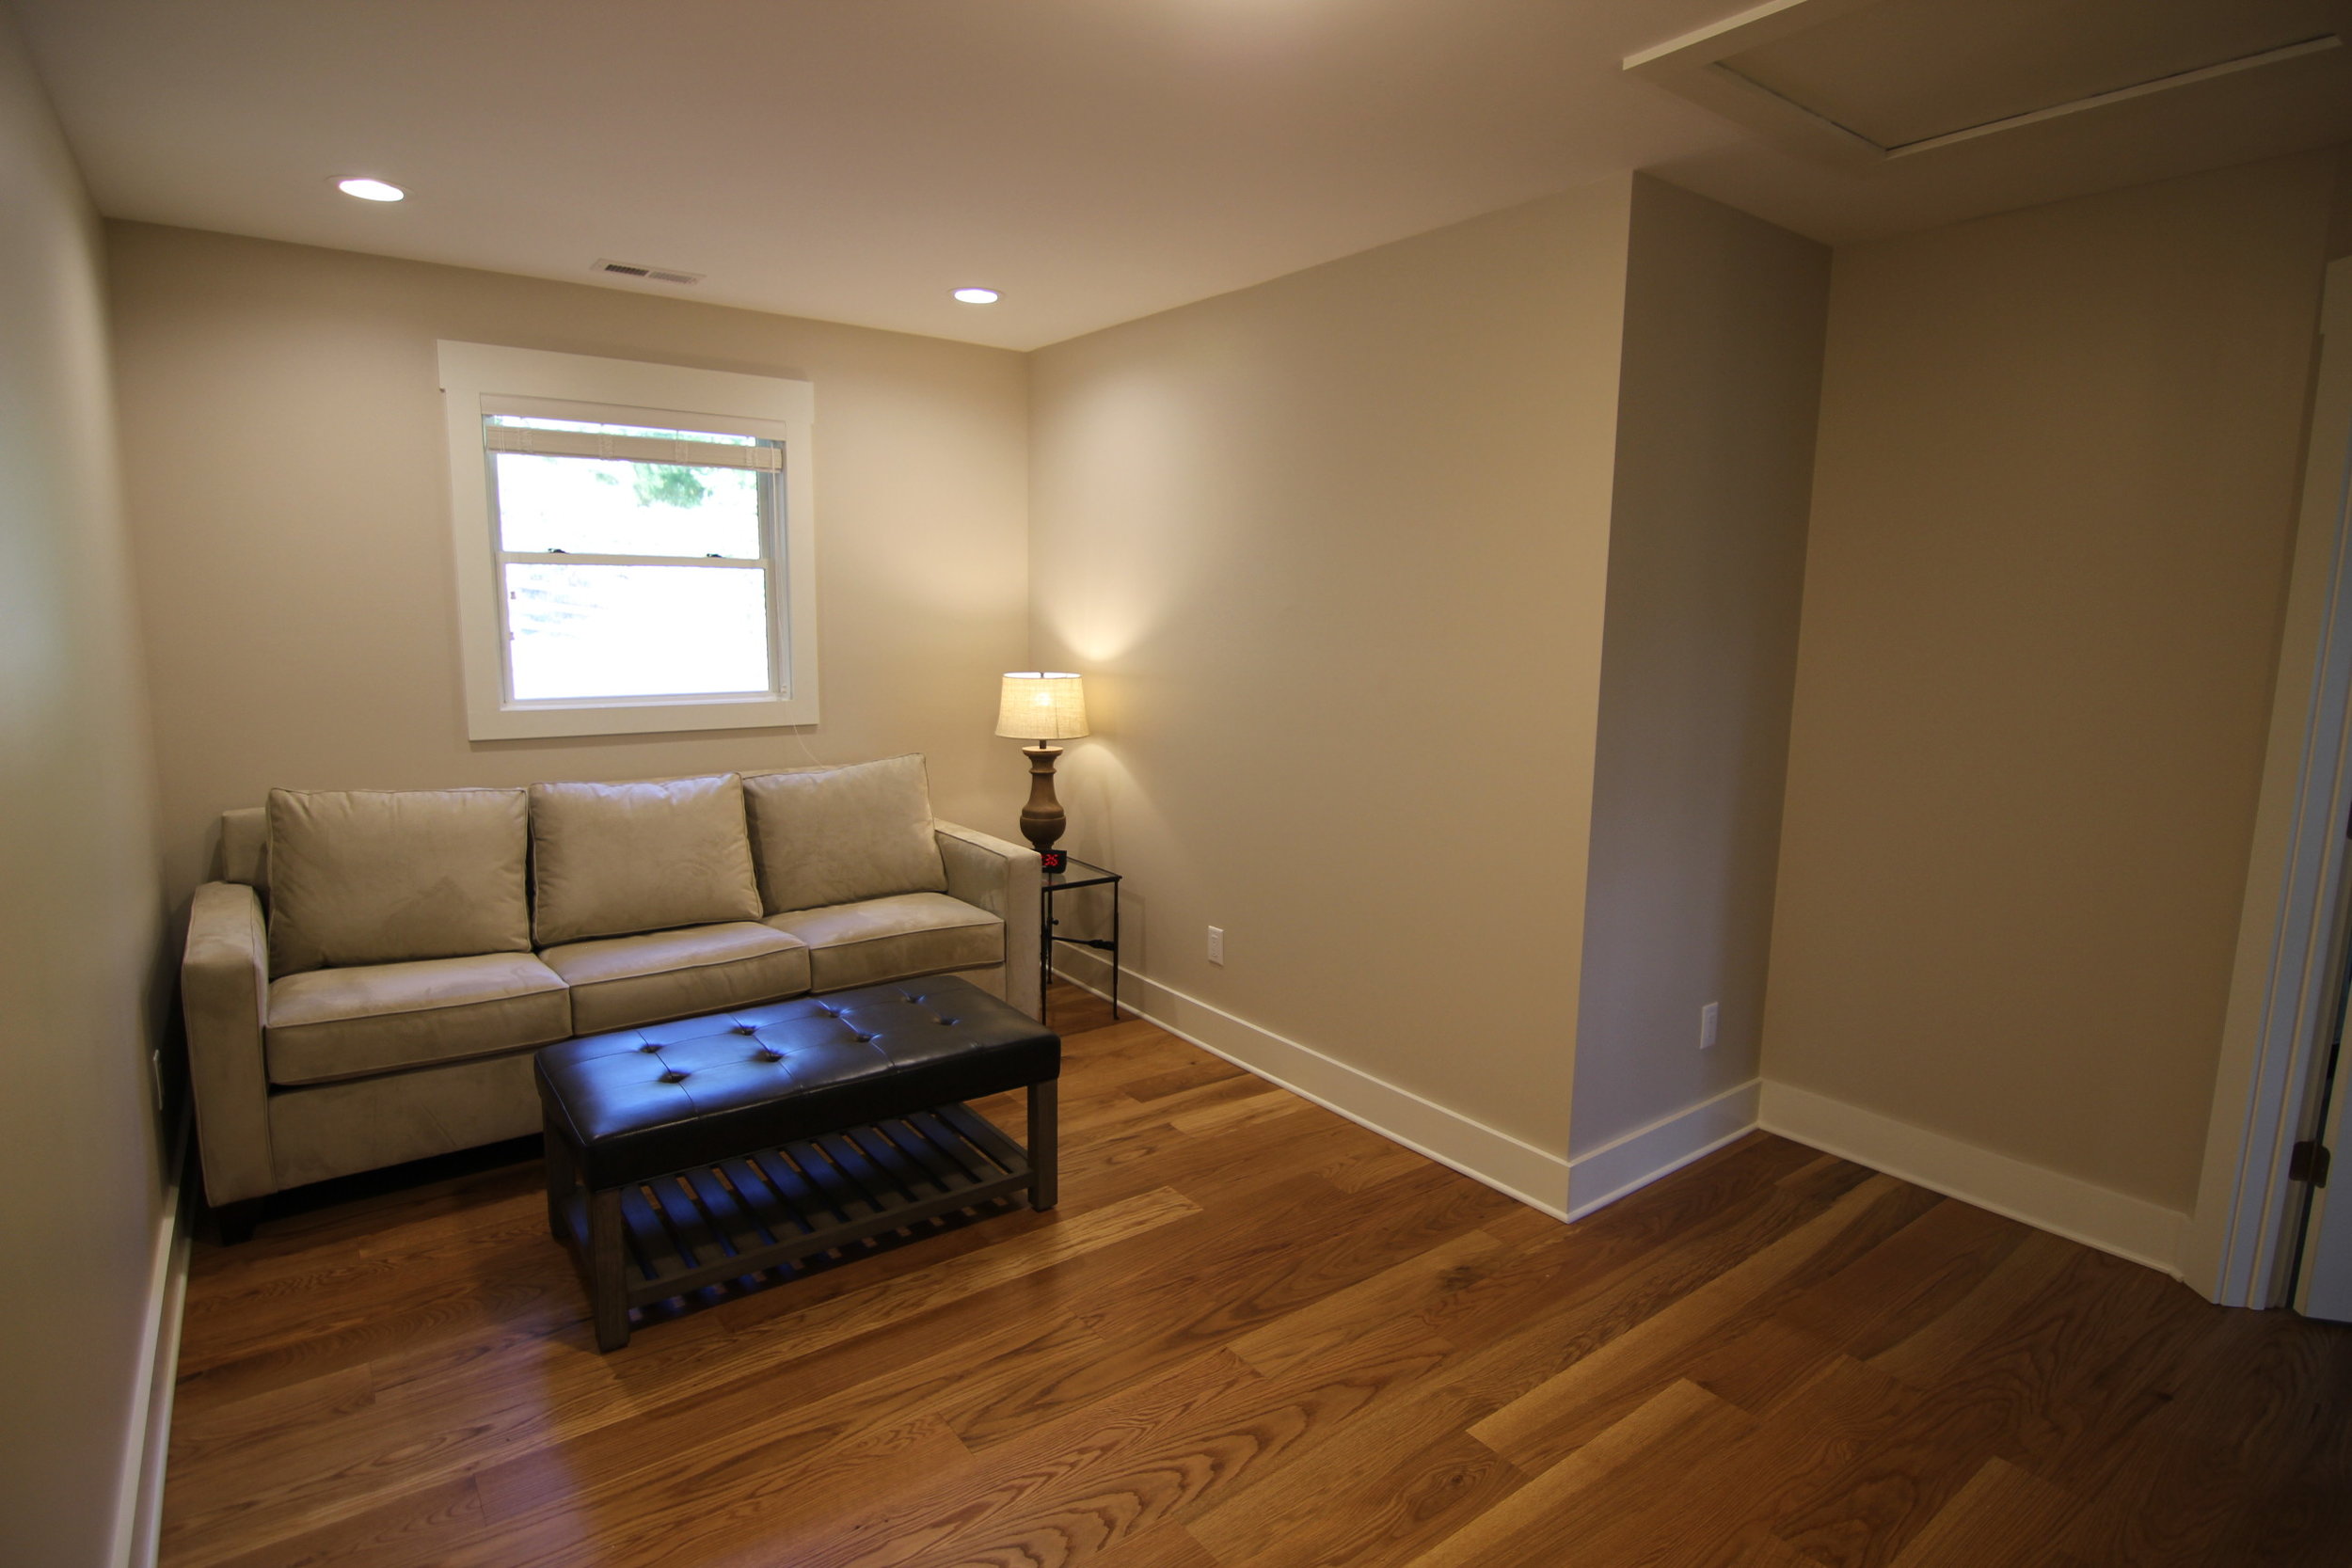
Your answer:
<point x="1709" y="1016"/>
<point x="1216" y="945"/>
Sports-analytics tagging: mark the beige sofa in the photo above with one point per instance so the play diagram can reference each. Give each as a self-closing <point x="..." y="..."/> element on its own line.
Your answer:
<point x="367" y="977"/>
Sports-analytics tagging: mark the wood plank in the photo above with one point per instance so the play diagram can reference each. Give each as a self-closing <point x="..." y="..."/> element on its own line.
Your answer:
<point x="1066" y="1492"/>
<point x="1362" y="1513"/>
<point x="1168" y="1307"/>
<point x="2004" y="1515"/>
<point x="1529" y="1429"/>
<point x="800" y="1173"/>
<point x="1266" y="1341"/>
<point x="878" y="1187"/>
<point x="1084" y="1484"/>
<point x="977" y="1131"/>
<point x="1535" y="1522"/>
<point x="970" y="1162"/>
<point x="1400" y="1291"/>
<point x="736" y="1225"/>
<point x="722" y="1267"/>
<point x="698" y="1244"/>
<point x="432" y="1525"/>
<point x="1369" y="1165"/>
<point x="915" y="1150"/>
<point x="2265" y="1397"/>
<point x="1909" y="1280"/>
<point x="689" y="1230"/>
<point x="770" y="1206"/>
<point x="305" y="1483"/>
<point x="755" y="1503"/>
<point x="1191" y="1075"/>
<point x="1240" y="1113"/>
<point x="874" y="1396"/>
<point x="1703" y="1510"/>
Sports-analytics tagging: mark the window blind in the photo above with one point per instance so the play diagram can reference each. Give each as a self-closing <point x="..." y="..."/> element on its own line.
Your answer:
<point x="629" y="448"/>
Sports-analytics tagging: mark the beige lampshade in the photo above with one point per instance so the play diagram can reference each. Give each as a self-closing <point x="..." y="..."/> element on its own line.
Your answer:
<point x="1041" y="704"/>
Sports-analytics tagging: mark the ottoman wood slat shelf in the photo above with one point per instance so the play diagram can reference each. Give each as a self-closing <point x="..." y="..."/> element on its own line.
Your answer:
<point x="685" y="1154"/>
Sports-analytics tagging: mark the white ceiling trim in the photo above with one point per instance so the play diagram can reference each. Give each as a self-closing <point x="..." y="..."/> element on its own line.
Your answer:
<point x="1699" y="66"/>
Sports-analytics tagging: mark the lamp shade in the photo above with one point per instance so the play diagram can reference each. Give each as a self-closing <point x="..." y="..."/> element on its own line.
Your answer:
<point x="1041" y="704"/>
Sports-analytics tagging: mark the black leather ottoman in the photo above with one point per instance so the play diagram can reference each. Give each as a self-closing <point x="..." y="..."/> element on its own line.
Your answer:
<point x="687" y="1153"/>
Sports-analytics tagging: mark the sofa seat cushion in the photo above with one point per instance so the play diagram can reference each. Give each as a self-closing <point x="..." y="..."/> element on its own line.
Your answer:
<point x="621" y="981"/>
<point x="887" y="939"/>
<point x="329" y="1024"/>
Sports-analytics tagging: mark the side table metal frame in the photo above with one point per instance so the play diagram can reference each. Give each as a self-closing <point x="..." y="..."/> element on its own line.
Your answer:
<point x="1099" y="877"/>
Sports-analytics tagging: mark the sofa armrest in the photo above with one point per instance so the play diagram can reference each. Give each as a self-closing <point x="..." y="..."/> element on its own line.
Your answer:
<point x="1003" y="879"/>
<point x="224" y="996"/>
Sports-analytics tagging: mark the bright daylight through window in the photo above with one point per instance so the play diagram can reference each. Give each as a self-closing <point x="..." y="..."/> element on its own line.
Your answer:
<point x="629" y="579"/>
<point x="634" y="545"/>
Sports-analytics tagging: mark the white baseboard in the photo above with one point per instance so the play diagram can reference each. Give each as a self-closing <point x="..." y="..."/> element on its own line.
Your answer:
<point x="2128" y="1227"/>
<point x="1634" y="1159"/>
<point x="147" y="1440"/>
<point x="1534" y="1175"/>
<point x="2067" y="1206"/>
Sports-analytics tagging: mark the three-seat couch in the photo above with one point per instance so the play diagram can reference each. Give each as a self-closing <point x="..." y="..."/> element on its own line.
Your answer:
<point x="369" y="974"/>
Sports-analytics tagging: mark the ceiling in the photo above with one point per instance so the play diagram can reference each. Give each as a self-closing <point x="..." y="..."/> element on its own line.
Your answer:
<point x="1903" y="72"/>
<point x="1096" y="160"/>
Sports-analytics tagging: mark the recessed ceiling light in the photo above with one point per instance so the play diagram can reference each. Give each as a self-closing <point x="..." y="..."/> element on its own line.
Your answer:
<point x="976" y="296"/>
<point x="371" y="190"/>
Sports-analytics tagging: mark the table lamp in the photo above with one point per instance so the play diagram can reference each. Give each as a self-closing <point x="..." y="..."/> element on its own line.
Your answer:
<point x="1039" y="706"/>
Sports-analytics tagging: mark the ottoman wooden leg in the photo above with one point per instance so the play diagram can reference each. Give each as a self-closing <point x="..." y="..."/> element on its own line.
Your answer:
<point x="607" y="1295"/>
<point x="562" y="1179"/>
<point x="1044" y="1144"/>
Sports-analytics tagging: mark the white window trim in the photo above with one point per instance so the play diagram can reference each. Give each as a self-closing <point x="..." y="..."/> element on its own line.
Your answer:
<point x="767" y="407"/>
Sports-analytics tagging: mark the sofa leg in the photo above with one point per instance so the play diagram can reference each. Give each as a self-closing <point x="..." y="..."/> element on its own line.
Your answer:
<point x="607" y="1295"/>
<point x="563" y="1176"/>
<point x="233" y="1223"/>
<point x="1044" y="1144"/>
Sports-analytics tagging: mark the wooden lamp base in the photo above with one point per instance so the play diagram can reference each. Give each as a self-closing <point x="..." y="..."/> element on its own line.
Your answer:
<point x="1043" y="818"/>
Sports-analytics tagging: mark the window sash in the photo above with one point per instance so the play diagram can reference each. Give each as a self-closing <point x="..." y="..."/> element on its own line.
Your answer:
<point x="768" y="562"/>
<point x="576" y="558"/>
<point x="629" y="448"/>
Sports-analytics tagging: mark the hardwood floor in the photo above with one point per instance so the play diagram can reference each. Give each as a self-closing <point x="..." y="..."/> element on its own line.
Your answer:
<point x="1256" y="1334"/>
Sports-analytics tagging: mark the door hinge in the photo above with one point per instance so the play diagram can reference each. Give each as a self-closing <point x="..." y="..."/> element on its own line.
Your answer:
<point x="2308" y="1162"/>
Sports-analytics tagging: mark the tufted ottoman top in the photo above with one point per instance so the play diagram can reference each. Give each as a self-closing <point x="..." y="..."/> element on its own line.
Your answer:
<point x="662" y="1097"/>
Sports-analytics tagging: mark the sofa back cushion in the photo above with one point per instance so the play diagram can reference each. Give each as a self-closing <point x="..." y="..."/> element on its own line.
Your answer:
<point x="613" y="859"/>
<point x="835" y="835"/>
<point x="371" y="877"/>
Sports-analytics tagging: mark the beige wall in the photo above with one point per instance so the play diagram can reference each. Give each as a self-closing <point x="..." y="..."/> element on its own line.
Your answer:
<point x="2340" y="219"/>
<point x="2054" y="495"/>
<point x="286" y="482"/>
<point x="78" y="900"/>
<point x="1714" y="457"/>
<point x="1330" y="551"/>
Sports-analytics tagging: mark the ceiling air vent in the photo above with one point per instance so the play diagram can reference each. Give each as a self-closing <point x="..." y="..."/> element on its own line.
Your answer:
<point x="652" y="274"/>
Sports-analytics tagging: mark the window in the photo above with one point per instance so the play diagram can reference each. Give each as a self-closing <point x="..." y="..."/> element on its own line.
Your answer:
<point x="633" y="544"/>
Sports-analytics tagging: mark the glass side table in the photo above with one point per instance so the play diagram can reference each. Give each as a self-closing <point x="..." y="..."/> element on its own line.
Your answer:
<point x="1075" y="874"/>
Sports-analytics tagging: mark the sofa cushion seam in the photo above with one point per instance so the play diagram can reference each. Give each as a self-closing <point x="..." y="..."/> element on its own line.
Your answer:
<point x="893" y="936"/>
<point x="412" y="1012"/>
<point x="678" y="968"/>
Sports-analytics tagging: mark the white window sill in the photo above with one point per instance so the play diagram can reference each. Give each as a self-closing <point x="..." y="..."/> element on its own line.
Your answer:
<point x="640" y="717"/>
